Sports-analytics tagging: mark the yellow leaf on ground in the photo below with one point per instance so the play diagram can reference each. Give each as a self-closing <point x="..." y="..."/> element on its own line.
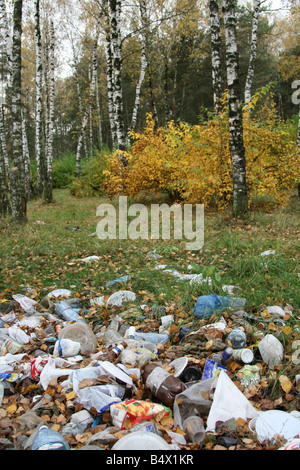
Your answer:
<point x="285" y="383"/>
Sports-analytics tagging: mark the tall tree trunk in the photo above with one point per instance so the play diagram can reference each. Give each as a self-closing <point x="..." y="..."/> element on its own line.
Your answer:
<point x="48" y="194"/>
<point x="18" y="196"/>
<point x="4" y="148"/>
<point x="26" y="158"/>
<point x="253" y="52"/>
<point x="216" y="53"/>
<point x="4" y="200"/>
<point x="115" y="18"/>
<point x="138" y="89"/>
<point x="7" y="39"/>
<point x="240" y="197"/>
<point x="110" y="87"/>
<point x="40" y="164"/>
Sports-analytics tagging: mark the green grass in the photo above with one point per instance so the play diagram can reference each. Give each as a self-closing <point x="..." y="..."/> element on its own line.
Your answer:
<point x="42" y="256"/>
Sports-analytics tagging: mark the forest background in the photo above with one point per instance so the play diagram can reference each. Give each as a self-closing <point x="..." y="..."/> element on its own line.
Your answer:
<point x="111" y="97"/>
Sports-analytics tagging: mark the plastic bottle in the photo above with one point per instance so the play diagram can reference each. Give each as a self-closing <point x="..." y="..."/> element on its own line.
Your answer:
<point x="119" y="281"/>
<point x="223" y="358"/>
<point x="131" y="332"/>
<point x="162" y="384"/>
<point x="68" y="313"/>
<point x="237" y="339"/>
<point x="48" y="439"/>
<point x="245" y="355"/>
<point x="114" y="353"/>
<point x="8" y="345"/>
<point x="154" y="338"/>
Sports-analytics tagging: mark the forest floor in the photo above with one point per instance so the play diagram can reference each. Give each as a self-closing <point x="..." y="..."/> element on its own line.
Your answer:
<point x="46" y="254"/>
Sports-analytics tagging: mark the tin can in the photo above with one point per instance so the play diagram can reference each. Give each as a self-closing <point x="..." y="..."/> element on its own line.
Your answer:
<point x="244" y="355"/>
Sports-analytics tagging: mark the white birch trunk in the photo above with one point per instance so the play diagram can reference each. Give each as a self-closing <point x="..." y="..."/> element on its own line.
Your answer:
<point x="7" y="39"/>
<point x="4" y="148"/>
<point x="138" y="89"/>
<point x="253" y="52"/>
<point x="51" y="88"/>
<point x="26" y="158"/>
<point x="216" y="53"/>
<point x="115" y="24"/>
<point x="39" y="101"/>
<point x="240" y="198"/>
<point x="18" y="196"/>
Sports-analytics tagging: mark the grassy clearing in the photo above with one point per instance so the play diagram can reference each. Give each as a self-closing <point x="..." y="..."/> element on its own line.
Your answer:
<point x="42" y="256"/>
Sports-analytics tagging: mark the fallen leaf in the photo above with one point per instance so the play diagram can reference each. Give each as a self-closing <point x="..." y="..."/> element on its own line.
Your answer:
<point x="285" y="383"/>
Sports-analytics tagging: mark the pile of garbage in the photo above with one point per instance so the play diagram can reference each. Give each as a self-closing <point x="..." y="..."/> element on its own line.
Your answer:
<point x="106" y="374"/>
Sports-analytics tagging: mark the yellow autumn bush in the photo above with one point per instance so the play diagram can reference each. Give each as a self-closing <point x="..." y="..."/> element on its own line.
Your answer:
<point x="193" y="163"/>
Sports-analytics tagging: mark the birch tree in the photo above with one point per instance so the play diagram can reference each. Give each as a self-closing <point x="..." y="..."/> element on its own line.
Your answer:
<point x="253" y="51"/>
<point x="116" y="42"/>
<point x="40" y="164"/>
<point x="240" y="197"/>
<point x="48" y="193"/>
<point x="18" y="195"/>
<point x="216" y="53"/>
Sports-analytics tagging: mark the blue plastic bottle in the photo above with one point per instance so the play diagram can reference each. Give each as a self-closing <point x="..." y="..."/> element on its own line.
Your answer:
<point x="48" y="439"/>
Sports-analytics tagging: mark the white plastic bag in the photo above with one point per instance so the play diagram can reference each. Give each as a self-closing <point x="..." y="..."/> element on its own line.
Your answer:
<point x="18" y="335"/>
<point x="26" y="303"/>
<point x="271" y="350"/>
<point x="117" y="299"/>
<point x="229" y="402"/>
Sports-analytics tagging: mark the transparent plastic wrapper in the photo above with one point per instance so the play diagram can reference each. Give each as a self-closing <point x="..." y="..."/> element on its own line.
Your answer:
<point x="154" y="338"/>
<point x="78" y="423"/>
<point x="271" y="350"/>
<point x="66" y="348"/>
<point x="52" y="371"/>
<point x="272" y="422"/>
<point x="196" y="400"/>
<point x="81" y="333"/>
<point x="99" y="397"/>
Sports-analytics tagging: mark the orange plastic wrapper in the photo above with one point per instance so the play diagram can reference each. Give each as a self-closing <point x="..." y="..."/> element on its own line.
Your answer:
<point x="128" y="413"/>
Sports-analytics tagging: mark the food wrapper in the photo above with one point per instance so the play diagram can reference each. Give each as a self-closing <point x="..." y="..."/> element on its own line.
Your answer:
<point x="128" y="413"/>
<point x="212" y="369"/>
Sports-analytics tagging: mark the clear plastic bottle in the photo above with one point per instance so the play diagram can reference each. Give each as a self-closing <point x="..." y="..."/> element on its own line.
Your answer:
<point x="64" y="310"/>
<point x="237" y="338"/>
<point x="48" y="439"/>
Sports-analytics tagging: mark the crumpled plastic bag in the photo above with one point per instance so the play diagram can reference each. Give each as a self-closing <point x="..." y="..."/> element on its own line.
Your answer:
<point x="208" y="304"/>
<point x="229" y="402"/>
<point x="99" y="397"/>
<point x="271" y="350"/>
<point x="26" y="303"/>
<point x="117" y="299"/>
